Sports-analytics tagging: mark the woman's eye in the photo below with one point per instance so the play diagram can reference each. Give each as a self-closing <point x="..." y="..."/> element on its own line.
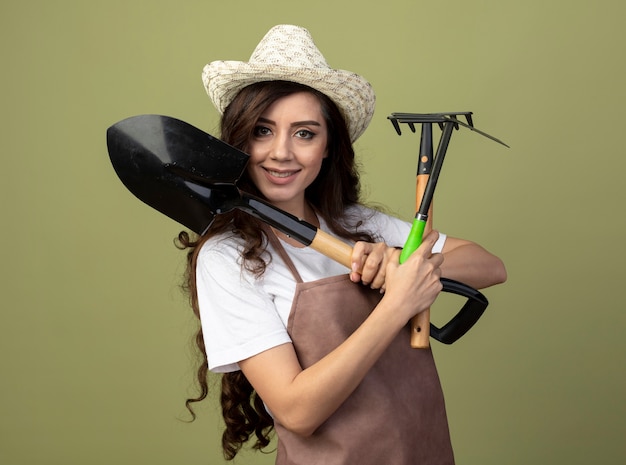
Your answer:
<point x="304" y="134"/>
<point x="261" y="131"/>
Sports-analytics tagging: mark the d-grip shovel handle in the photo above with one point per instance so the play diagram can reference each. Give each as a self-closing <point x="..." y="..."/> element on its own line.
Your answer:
<point x="465" y="318"/>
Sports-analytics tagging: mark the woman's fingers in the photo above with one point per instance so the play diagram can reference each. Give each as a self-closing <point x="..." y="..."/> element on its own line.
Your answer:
<point x="369" y="263"/>
<point x="414" y="285"/>
<point x="370" y="260"/>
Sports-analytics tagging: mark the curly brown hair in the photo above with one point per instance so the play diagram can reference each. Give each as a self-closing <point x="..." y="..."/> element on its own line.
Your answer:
<point x="336" y="188"/>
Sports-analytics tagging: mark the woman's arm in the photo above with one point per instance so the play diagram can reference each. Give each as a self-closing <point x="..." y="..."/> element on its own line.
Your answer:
<point x="465" y="261"/>
<point x="471" y="264"/>
<point x="301" y="400"/>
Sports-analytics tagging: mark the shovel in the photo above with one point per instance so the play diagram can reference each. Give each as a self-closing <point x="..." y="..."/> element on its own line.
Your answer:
<point x="190" y="176"/>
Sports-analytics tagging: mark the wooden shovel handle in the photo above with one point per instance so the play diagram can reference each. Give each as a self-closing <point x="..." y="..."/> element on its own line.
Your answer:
<point x="332" y="248"/>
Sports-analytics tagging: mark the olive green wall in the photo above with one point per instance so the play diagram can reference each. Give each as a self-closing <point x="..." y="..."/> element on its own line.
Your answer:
<point x="95" y="354"/>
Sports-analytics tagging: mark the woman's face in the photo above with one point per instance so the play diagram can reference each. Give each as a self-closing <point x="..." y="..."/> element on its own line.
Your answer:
<point x="287" y="150"/>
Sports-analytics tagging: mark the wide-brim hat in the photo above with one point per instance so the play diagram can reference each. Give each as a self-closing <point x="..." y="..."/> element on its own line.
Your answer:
<point x="288" y="53"/>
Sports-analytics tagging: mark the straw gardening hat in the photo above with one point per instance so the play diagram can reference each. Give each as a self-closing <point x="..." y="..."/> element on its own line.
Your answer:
<point x="288" y="53"/>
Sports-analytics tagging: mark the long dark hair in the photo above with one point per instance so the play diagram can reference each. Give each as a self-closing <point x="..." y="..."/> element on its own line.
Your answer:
<point x="336" y="188"/>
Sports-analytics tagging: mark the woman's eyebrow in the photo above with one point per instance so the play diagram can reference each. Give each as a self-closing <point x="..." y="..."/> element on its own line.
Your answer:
<point x="295" y="123"/>
<point x="306" y="123"/>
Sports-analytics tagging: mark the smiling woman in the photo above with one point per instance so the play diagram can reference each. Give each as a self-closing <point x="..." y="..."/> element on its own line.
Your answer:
<point x="302" y="347"/>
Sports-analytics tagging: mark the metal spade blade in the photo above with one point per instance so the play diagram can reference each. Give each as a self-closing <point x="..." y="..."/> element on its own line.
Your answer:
<point x="147" y="150"/>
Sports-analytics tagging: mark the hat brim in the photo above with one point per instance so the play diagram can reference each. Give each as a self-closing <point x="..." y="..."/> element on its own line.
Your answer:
<point x="352" y="94"/>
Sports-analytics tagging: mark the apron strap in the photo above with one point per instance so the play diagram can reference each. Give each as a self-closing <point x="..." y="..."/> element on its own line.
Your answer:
<point x="278" y="247"/>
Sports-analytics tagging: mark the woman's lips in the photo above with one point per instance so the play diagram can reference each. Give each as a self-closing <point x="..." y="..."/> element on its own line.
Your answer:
<point x="280" y="177"/>
<point x="280" y="174"/>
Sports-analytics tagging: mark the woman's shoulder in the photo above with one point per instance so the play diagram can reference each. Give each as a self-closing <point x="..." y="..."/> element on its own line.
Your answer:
<point x="378" y="223"/>
<point x="368" y="212"/>
<point x="224" y="253"/>
<point x="220" y="261"/>
<point x="223" y="245"/>
<point x="374" y="220"/>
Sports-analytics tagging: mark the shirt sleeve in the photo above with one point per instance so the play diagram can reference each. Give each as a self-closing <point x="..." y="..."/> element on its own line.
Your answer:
<point x="395" y="231"/>
<point x="238" y="317"/>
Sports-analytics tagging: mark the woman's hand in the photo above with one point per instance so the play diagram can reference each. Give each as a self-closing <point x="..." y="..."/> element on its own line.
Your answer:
<point x="369" y="263"/>
<point x="413" y="286"/>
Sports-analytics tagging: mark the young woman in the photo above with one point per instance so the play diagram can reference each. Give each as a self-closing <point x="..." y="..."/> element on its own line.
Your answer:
<point x="318" y="352"/>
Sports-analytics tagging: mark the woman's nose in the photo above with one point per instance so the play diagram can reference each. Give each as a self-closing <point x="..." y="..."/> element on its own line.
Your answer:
<point x="281" y="149"/>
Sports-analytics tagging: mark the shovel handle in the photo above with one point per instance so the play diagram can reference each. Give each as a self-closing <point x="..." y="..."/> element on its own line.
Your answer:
<point x="332" y="248"/>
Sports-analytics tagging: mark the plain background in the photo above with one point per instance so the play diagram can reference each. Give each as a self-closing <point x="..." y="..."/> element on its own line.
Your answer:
<point x="95" y="335"/>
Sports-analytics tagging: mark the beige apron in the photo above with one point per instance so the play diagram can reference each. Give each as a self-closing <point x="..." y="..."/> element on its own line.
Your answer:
<point x="396" y="416"/>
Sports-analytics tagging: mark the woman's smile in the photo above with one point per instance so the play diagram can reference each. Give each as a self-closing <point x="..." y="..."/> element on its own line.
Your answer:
<point x="272" y="174"/>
